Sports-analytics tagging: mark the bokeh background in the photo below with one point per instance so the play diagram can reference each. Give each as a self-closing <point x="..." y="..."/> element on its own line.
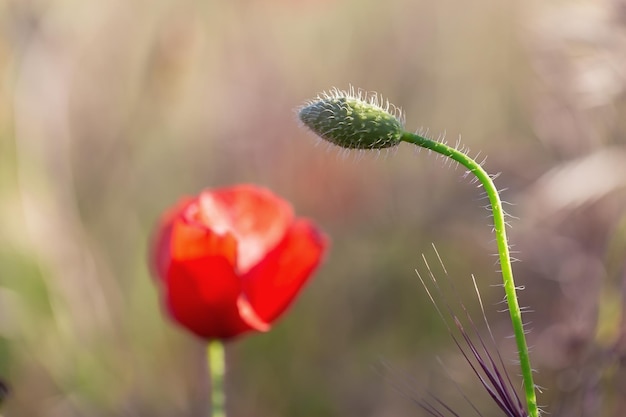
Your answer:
<point x="110" y="111"/>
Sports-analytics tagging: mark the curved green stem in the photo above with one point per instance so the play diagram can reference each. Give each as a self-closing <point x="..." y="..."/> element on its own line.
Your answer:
<point x="503" y="251"/>
<point x="217" y="369"/>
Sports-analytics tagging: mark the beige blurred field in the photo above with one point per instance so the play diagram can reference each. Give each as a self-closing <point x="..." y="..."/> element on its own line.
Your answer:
<point x="110" y="111"/>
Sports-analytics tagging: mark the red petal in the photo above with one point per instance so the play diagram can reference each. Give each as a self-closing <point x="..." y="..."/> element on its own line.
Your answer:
<point x="192" y="241"/>
<point x="202" y="296"/>
<point x="256" y="217"/>
<point x="160" y="255"/>
<point x="247" y="314"/>
<point x="271" y="285"/>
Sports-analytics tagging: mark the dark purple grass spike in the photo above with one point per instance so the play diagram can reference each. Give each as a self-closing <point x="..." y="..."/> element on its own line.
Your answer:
<point x="492" y="387"/>
<point x="508" y="390"/>
<point x="495" y="385"/>
<point x="454" y="338"/>
<point x="504" y="386"/>
<point x="520" y="405"/>
<point x="498" y="387"/>
<point x="492" y="372"/>
<point x="490" y="390"/>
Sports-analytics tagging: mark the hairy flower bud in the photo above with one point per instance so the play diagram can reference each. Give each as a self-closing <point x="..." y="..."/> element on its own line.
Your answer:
<point x="355" y="120"/>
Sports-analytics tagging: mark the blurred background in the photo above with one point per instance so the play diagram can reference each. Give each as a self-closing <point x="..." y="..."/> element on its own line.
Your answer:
<point x="110" y="111"/>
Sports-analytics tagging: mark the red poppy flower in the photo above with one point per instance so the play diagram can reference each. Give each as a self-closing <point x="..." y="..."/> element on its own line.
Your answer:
<point x="233" y="259"/>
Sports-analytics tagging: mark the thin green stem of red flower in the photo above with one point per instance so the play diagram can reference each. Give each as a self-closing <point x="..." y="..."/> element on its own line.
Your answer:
<point x="217" y="369"/>
<point x="503" y="251"/>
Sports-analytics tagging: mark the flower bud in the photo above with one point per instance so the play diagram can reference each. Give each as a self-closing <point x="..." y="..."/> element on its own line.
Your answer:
<point x="353" y="120"/>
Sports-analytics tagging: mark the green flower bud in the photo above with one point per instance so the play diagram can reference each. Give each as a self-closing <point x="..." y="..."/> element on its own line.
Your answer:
<point x="355" y="120"/>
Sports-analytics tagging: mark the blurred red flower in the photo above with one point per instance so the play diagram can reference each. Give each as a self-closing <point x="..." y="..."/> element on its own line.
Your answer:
<point x="233" y="259"/>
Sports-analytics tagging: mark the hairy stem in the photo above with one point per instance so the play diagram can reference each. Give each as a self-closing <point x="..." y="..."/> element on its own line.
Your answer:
<point x="503" y="252"/>
<point x="217" y="368"/>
